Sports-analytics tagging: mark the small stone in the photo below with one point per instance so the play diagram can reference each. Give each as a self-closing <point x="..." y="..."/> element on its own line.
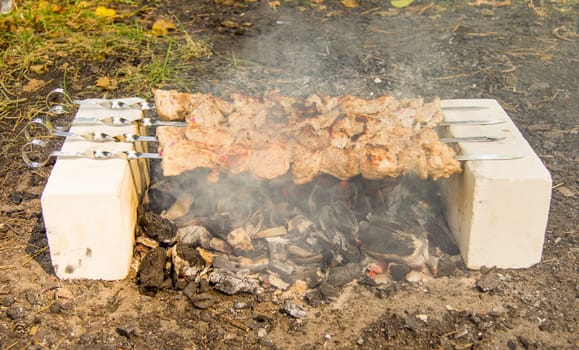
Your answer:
<point x="127" y="330"/>
<point x="360" y="341"/>
<point x="512" y="344"/>
<point x="8" y="301"/>
<point x="488" y="282"/>
<point x="240" y="305"/>
<point x="16" y="197"/>
<point x="261" y="332"/>
<point x="413" y="323"/>
<point x="63" y="293"/>
<point x="202" y="301"/>
<point x="15" y="312"/>
<point x="293" y="310"/>
<point x="32" y="297"/>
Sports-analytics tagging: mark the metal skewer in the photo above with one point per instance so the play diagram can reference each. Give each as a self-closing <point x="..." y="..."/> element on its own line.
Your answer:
<point x="469" y="122"/>
<point x="118" y="104"/>
<point x="120" y="121"/>
<point x="40" y="128"/>
<point x="473" y="157"/>
<point x="36" y="153"/>
<point x="470" y="139"/>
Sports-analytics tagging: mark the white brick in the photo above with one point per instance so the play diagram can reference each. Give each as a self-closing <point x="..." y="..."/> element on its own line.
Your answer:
<point x="89" y="206"/>
<point x="497" y="210"/>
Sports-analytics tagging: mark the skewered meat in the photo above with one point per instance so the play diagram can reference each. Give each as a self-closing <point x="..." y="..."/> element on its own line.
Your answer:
<point x="270" y="162"/>
<point x="180" y="155"/>
<point x="342" y="137"/>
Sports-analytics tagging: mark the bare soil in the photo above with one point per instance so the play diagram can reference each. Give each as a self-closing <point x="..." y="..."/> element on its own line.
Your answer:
<point x="524" y="57"/>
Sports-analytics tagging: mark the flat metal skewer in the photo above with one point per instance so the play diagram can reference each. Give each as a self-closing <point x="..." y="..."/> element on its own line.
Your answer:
<point x="470" y="139"/>
<point x="473" y="157"/>
<point x="120" y="121"/>
<point x="38" y="128"/>
<point x="36" y="153"/>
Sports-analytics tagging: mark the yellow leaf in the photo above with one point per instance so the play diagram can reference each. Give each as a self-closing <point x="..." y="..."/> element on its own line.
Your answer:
<point x="401" y="3"/>
<point x="38" y="68"/>
<point x="106" y="83"/>
<point x="105" y="12"/>
<point x="350" y="3"/>
<point x="161" y="27"/>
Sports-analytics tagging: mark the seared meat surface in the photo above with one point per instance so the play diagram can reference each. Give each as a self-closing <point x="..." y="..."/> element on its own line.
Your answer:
<point x="342" y="137"/>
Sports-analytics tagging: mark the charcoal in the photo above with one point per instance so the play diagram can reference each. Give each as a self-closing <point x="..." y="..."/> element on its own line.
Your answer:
<point x="398" y="271"/>
<point x="339" y="276"/>
<point x="230" y="283"/>
<point x="328" y="291"/>
<point x="202" y="301"/>
<point x="240" y="240"/>
<point x="284" y="270"/>
<point x="187" y="262"/>
<point x="152" y="270"/>
<point x="293" y="310"/>
<point x="277" y="248"/>
<point x="276" y="281"/>
<point x="158" y="228"/>
<point x="194" y="235"/>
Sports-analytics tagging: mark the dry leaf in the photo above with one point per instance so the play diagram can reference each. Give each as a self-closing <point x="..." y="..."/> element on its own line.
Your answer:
<point x="106" y="83"/>
<point x="350" y="3"/>
<point x="38" y="68"/>
<point x="566" y="191"/>
<point x="105" y="12"/>
<point x="33" y="85"/>
<point x="274" y="4"/>
<point x="401" y="3"/>
<point x="229" y="24"/>
<point x="162" y="27"/>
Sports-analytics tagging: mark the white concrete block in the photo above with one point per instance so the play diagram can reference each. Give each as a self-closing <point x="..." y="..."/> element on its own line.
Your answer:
<point x="497" y="210"/>
<point x="90" y="206"/>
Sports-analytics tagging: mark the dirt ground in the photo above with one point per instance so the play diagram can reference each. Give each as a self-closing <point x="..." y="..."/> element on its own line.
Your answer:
<point x="524" y="56"/>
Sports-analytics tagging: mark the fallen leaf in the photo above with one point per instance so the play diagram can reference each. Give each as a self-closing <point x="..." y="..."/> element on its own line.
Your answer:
<point x="350" y="3"/>
<point x="566" y="191"/>
<point x="106" y="83"/>
<point x="274" y="4"/>
<point x="105" y="12"/>
<point x="33" y="85"/>
<point x="401" y="3"/>
<point x="229" y="24"/>
<point x="38" y="68"/>
<point x="162" y="27"/>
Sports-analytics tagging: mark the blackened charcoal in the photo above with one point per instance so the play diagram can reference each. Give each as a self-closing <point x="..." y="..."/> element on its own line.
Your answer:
<point x="158" y="228"/>
<point x="151" y="272"/>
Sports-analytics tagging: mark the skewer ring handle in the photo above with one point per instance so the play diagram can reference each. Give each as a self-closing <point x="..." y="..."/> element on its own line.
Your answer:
<point x="35" y="153"/>
<point x="38" y="128"/>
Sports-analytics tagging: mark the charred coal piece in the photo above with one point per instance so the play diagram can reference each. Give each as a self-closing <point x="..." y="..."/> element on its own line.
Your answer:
<point x="389" y="241"/>
<point x="194" y="235"/>
<point x="398" y="272"/>
<point x="240" y="240"/>
<point x="151" y="272"/>
<point x="188" y="264"/>
<point x="230" y="283"/>
<point x="158" y="228"/>
<point x="277" y="248"/>
<point x="340" y="275"/>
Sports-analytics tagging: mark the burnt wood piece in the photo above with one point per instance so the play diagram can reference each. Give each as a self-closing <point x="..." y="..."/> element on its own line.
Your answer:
<point x="158" y="228"/>
<point x="151" y="272"/>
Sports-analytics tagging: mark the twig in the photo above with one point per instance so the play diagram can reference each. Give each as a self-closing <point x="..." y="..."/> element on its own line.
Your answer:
<point x="236" y="324"/>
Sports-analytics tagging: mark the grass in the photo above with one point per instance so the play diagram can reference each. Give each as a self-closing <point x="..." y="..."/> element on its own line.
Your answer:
<point x="40" y="37"/>
<point x="68" y="44"/>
